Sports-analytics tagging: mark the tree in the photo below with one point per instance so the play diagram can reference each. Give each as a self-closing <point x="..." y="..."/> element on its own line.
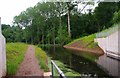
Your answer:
<point x="104" y="14"/>
<point x="55" y="23"/>
<point x="116" y="17"/>
<point x="70" y="7"/>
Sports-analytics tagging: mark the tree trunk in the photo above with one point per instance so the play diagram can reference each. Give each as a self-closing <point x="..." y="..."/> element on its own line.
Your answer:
<point x="69" y="31"/>
<point x="42" y="38"/>
<point x="60" y="20"/>
<point x="54" y="39"/>
<point x="59" y="13"/>
<point x="70" y="62"/>
<point x="26" y="41"/>
<point x="31" y="39"/>
<point x="38" y="35"/>
<point x="26" y="37"/>
<point x="48" y="40"/>
<point x="54" y="36"/>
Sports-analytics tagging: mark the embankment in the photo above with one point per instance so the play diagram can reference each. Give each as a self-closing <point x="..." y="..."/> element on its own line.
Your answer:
<point x="85" y="44"/>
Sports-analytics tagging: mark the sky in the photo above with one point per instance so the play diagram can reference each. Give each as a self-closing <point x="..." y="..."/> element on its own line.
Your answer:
<point x="11" y="8"/>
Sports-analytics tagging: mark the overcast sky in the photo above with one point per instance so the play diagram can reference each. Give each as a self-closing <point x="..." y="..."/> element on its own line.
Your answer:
<point x="11" y="8"/>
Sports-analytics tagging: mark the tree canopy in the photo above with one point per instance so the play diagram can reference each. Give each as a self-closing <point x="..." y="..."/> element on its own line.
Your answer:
<point x="53" y="22"/>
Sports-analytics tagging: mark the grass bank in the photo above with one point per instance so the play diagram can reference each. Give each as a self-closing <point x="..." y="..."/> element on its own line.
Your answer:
<point x="15" y="55"/>
<point x="87" y="41"/>
<point x="42" y="57"/>
<point x="85" y="44"/>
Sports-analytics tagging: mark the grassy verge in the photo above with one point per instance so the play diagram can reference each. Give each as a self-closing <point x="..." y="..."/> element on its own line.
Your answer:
<point x="42" y="57"/>
<point x="15" y="54"/>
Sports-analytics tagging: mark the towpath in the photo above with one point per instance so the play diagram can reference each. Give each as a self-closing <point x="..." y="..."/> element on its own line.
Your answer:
<point x="30" y="64"/>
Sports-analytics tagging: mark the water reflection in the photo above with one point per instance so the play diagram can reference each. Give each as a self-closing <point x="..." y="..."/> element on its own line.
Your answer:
<point x="75" y="61"/>
<point x="110" y="64"/>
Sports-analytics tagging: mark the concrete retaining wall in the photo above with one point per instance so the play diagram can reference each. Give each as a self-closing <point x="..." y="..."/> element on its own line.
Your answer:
<point x="2" y="54"/>
<point x="112" y="43"/>
<point x="109" y="44"/>
<point x="101" y="43"/>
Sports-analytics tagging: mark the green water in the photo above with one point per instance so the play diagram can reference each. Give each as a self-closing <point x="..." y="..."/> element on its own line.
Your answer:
<point x="75" y="63"/>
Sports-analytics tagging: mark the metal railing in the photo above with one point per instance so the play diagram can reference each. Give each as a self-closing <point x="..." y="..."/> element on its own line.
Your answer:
<point x="59" y="71"/>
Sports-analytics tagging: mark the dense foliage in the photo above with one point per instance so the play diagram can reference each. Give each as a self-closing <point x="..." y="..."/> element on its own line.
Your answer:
<point x="47" y="23"/>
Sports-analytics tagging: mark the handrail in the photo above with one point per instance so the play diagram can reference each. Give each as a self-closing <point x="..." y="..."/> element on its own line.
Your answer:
<point x="59" y="71"/>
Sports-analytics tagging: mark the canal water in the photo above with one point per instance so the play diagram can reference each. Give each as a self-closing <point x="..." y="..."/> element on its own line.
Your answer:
<point x="84" y="63"/>
<point x="110" y="64"/>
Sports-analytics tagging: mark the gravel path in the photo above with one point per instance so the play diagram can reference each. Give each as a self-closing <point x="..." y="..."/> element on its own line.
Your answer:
<point x="30" y="65"/>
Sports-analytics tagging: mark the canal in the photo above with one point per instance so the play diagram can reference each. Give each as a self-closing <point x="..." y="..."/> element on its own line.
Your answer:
<point x="110" y="64"/>
<point x="77" y="63"/>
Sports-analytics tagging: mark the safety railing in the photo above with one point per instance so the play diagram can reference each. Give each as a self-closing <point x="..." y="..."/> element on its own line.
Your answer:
<point x="59" y="71"/>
